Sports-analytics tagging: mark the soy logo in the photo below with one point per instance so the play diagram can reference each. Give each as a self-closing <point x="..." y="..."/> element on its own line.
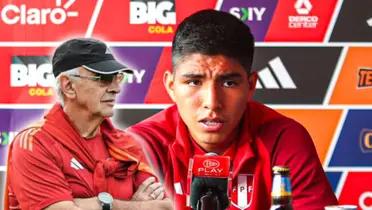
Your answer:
<point x="22" y="14"/>
<point x="248" y="13"/>
<point x="159" y="15"/>
<point x="33" y="72"/>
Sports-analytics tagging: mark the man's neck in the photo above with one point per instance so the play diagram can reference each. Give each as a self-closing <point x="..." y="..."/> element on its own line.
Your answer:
<point x="222" y="147"/>
<point x="86" y="124"/>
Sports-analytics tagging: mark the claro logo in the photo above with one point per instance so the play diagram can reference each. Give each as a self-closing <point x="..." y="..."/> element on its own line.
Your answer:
<point x="153" y="13"/>
<point x="12" y="14"/>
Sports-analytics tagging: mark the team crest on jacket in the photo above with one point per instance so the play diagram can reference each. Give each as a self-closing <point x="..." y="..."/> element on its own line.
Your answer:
<point x="242" y="192"/>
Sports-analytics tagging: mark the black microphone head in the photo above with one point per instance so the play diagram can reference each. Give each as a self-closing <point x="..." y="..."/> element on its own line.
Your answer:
<point x="208" y="202"/>
<point x="202" y="186"/>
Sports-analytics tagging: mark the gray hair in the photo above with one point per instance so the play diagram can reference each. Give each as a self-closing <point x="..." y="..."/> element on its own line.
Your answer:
<point x="58" y="89"/>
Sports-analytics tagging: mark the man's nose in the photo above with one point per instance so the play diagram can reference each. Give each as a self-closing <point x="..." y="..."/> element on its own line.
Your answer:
<point x="114" y="87"/>
<point x="211" y="97"/>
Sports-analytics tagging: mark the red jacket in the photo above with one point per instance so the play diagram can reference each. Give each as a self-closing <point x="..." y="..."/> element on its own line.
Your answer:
<point x="51" y="162"/>
<point x="266" y="138"/>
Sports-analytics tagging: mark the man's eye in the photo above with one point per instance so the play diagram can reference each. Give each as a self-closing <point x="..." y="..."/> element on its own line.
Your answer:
<point x="193" y="82"/>
<point x="230" y="83"/>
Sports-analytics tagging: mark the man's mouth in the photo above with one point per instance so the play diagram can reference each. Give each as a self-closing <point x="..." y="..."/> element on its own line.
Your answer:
<point x="212" y="125"/>
<point x="109" y="101"/>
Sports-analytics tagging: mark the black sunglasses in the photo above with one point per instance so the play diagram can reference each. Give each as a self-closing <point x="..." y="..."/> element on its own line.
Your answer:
<point x="104" y="78"/>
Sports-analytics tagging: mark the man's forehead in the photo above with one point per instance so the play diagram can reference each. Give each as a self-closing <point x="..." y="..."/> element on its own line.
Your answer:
<point x="84" y="70"/>
<point x="208" y="64"/>
<point x="207" y="74"/>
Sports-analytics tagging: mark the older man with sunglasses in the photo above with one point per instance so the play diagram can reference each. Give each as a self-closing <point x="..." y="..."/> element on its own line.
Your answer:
<point x="75" y="158"/>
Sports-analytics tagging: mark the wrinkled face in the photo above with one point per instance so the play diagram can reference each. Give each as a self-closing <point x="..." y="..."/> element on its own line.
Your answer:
<point x="97" y="98"/>
<point x="211" y="93"/>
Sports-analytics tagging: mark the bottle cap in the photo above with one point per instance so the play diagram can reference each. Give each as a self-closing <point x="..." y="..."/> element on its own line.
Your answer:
<point x="280" y="169"/>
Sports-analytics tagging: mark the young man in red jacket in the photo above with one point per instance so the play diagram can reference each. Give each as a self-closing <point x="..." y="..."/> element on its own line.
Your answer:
<point x="212" y="86"/>
<point x="75" y="159"/>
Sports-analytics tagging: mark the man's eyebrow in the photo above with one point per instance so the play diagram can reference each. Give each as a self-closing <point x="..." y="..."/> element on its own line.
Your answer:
<point x="232" y="75"/>
<point x="193" y="75"/>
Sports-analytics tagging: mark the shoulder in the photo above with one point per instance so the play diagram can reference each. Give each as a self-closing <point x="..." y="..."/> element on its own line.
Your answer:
<point x="275" y="129"/>
<point x="265" y="119"/>
<point x="25" y="139"/>
<point x="32" y="143"/>
<point x="161" y="126"/>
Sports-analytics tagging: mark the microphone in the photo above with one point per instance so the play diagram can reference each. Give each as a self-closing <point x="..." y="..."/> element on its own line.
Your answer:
<point x="209" y="177"/>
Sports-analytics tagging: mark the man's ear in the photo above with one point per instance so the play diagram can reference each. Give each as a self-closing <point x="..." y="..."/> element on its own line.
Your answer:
<point x="168" y="81"/>
<point x="67" y="87"/>
<point x="252" y="80"/>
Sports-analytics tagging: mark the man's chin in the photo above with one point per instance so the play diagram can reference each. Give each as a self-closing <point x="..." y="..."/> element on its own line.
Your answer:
<point x="108" y="113"/>
<point x="211" y="141"/>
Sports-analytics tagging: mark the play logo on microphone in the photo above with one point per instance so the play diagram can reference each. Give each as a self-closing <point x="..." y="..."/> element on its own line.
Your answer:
<point x="211" y="163"/>
<point x="211" y="166"/>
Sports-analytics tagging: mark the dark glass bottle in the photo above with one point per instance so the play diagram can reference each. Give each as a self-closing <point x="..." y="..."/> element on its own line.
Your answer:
<point x="281" y="193"/>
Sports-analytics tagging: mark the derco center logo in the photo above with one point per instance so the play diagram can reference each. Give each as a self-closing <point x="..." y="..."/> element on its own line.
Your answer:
<point x="160" y="15"/>
<point x="303" y="7"/>
<point x="303" y="19"/>
<point x="34" y="72"/>
<point x="21" y="14"/>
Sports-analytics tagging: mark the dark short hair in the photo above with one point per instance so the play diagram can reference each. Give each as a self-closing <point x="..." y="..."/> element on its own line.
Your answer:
<point x="212" y="32"/>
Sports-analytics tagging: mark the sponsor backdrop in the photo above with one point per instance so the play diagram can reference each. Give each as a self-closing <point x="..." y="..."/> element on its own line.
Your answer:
<point x="313" y="60"/>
